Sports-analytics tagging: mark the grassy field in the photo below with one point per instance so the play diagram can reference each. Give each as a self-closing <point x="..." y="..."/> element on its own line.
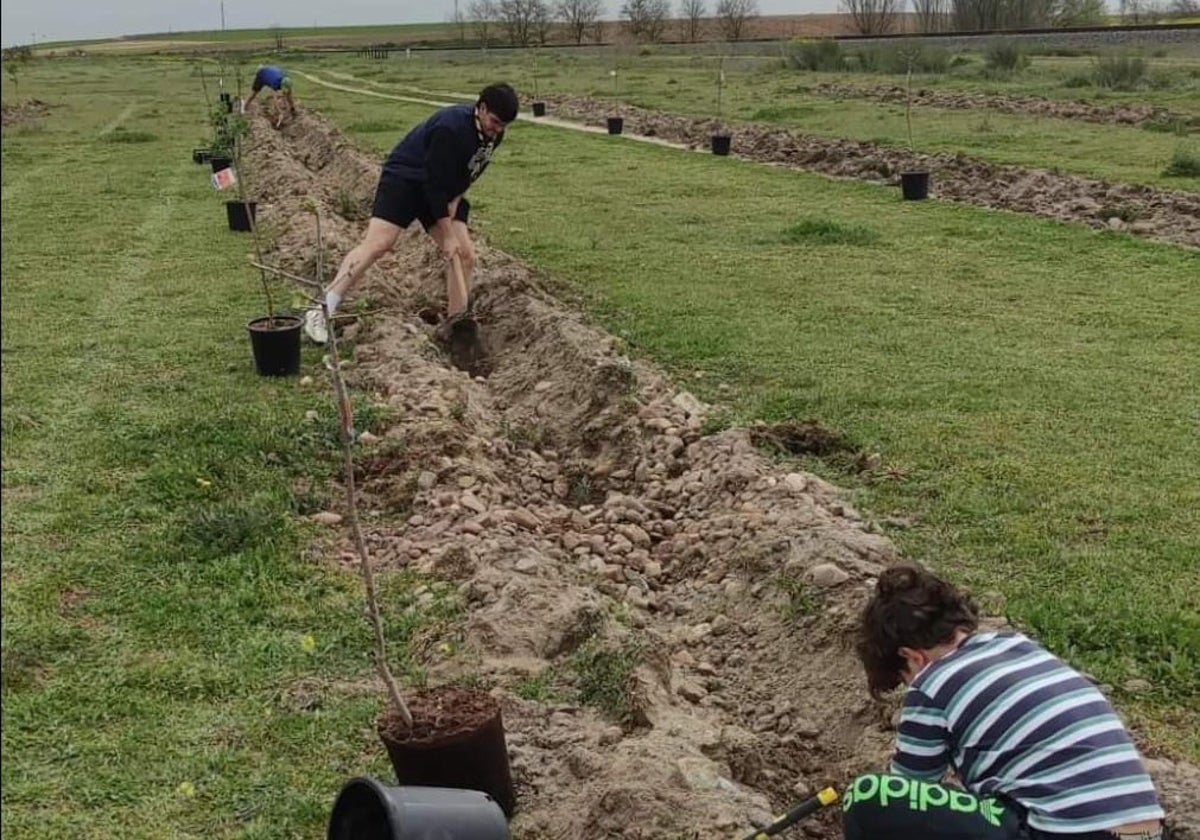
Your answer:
<point x="166" y="627"/>
<point x="158" y="588"/>
<point x="762" y="92"/>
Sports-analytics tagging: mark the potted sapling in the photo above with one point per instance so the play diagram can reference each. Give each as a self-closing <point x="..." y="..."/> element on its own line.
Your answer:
<point x="539" y="106"/>
<point x="615" y="123"/>
<point x="914" y="182"/>
<point x="722" y="137"/>
<point x="239" y="212"/>
<point x="274" y="338"/>
<point x="446" y="744"/>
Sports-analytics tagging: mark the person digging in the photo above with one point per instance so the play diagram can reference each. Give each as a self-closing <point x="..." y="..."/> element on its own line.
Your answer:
<point x="1038" y="750"/>
<point x="426" y="178"/>
<point x="277" y="80"/>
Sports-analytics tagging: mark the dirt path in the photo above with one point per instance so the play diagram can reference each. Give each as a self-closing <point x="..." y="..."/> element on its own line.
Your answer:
<point x="1117" y="114"/>
<point x="572" y="501"/>
<point x="1166" y="215"/>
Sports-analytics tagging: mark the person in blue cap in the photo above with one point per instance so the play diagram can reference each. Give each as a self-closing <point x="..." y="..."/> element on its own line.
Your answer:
<point x="273" y="77"/>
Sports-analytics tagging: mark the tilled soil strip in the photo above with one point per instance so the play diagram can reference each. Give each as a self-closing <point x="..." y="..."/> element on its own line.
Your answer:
<point x="1115" y="114"/>
<point x="570" y="500"/>
<point x="1166" y="215"/>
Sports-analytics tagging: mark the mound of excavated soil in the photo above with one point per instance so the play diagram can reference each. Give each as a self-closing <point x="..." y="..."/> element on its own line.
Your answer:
<point x="23" y="112"/>
<point x="1167" y="215"/>
<point x="1115" y="113"/>
<point x="572" y="500"/>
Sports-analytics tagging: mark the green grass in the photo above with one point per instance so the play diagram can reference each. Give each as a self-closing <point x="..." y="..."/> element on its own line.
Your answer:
<point x="1030" y="384"/>
<point x="766" y="94"/>
<point x="158" y="581"/>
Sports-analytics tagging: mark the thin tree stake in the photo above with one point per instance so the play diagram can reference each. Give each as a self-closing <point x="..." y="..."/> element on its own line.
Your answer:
<point x="346" y="413"/>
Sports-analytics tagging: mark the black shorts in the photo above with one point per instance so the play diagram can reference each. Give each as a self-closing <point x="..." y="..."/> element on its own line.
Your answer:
<point x="399" y="202"/>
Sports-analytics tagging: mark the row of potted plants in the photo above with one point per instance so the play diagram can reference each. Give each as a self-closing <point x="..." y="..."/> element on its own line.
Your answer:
<point x="446" y="745"/>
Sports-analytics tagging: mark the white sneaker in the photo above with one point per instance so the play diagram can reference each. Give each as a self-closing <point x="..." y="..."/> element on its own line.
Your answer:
<point x="314" y="326"/>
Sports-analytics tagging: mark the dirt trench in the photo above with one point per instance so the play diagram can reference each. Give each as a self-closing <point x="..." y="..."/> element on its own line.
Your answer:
<point x="1113" y="114"/>
<point x="572" y="500"/>
<point x="1166" y="215"/>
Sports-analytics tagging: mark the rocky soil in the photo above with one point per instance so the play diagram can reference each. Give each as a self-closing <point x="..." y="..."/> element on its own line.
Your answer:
<point x="571" y="500"/>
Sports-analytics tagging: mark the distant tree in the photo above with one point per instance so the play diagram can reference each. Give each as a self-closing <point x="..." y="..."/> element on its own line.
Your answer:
<point x="646" y="19"/>
<point x="732" y="16"/>
<point x="691" y="13"/>
<point x="482" y="14"/>
<point x="1080" y="13"/>
<point x="15" y="59"/>
<point x="523" y="20"/>
<point x="579" y="16"/>
<point x="931" y="15"/>
<point x="872" y="17"/>
<point x="1141" y="11"/>
<point x="1185" y="8"/>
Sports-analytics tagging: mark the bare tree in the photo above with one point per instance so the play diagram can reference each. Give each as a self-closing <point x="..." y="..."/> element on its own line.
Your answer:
<point x="691" y="12"/>
<point x="598" y="31"/>
<point x="543" y="17"/>
<point x="1080" y="13"/>
<point x="1141" y="11"/>
<point x="522" y="20"/>
<point x="871" y="17"/>
<point x="579" y="16"/>
<point x="1185" y="8"/>
<point x="482" y="14"/>
<point x="732" y="16"/>
<point x="646" y="19"/>
<point x="931" y="15"/>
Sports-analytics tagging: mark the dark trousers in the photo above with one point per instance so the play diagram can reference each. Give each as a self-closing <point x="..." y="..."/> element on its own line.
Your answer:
<point x="880" y="806"/>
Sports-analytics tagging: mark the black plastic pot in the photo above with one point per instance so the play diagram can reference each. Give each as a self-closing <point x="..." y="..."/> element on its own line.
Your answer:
<point x="615" y="124"/>
<point x="720" y="144"/>
<point x="201" y="155"/>
<point x="914" y="185"/>
<point x="227" y="101"/>
<point x="367" y="809"/>
<point x="276" y="345"/>
<point x="219" y="163"/>
<point x="241" y="214"/>
<point x="470" y="755"/>
<point x="539" y="109"/>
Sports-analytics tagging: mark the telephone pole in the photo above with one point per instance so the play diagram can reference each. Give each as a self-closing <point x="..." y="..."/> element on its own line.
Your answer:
<point x="222" y="15"/>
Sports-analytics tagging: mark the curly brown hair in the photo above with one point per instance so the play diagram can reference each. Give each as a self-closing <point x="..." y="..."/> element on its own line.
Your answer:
<point x="912" y="608"/>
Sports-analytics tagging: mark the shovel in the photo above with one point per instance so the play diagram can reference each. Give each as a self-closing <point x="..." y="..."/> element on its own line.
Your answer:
<point x="806" y="808"/>
<point x="462" y="332"/>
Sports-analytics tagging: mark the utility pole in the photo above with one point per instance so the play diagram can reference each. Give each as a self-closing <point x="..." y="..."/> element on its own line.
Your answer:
<point x="222" y="15"/>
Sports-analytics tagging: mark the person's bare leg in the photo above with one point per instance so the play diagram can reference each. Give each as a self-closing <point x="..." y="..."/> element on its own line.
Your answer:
<point x="381" y="235"/>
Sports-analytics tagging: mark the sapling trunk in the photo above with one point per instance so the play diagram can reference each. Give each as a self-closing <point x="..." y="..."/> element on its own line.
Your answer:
<point x="720" y="87"/>
<point x="241" y="187"/>
<point x="346" y="417"/>
<point x="908" y="106"/>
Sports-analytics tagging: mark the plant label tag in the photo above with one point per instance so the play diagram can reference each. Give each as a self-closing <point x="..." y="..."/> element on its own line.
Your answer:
<point x="225" y="178"/>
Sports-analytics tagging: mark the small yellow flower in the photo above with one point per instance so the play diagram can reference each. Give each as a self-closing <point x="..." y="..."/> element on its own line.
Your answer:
<point x="308" y="643"/>
<point x="446" y="648"/>
<point x="186" y="789"/>
<point x="203" y="482"/>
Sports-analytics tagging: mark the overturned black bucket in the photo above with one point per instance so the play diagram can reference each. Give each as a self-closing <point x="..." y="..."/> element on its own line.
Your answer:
<point x="914" y="185"/>
<point x="539" y="109"/>
<point x="720" y="144"/>
<point x="367" y="809"/>
<point x="615" y="124"/>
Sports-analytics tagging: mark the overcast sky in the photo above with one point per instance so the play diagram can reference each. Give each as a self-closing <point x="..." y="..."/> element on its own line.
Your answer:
<point x="24" y="21"/>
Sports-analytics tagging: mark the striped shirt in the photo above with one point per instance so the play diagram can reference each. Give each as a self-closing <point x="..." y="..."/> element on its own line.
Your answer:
<point x="1013" y="719"/>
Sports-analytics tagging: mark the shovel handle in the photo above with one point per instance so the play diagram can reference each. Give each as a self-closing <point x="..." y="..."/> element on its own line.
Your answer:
<point x="458" y="279"/>
<point x="809" y="806"/>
